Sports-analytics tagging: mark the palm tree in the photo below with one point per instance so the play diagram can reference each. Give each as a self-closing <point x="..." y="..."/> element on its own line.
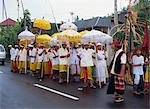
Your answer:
<point x="142" y="7"/>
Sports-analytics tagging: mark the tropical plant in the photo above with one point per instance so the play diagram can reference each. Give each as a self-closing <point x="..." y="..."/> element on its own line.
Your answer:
<point x="142" y="7"/>
<point x="134" y="25"/>
<point x="8" y="35"/>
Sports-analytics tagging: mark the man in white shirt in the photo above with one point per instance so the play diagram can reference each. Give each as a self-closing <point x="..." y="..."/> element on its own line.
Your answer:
<point x="137" y="63"/>
<point x="46" y="66"/>
<point x="12" y="57"/>
<point x="63" y="53"/>
<point x="117" y="69"/>
<point x="22" y="59"/>
<point x="16" y="60"/>
<point x="86" y="65"/>
<point x="40" y="59"/>
<point x="74" y="62"/>
<point x="32" y="55"/>
<point x="55" y="62"/>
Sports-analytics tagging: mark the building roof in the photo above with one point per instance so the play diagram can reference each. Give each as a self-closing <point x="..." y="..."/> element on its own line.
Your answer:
<point x="100" y="21"/>
<point x="94" y="22"/>
<point x="8" y="22"/>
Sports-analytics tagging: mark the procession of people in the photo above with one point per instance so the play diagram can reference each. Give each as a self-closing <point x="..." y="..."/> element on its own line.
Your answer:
<point x="59" y="60"/>
<point x="76" y="62"/>
<point x="93" y="58"/>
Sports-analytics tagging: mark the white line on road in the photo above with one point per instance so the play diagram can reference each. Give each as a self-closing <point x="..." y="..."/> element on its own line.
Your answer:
<point x="1" y="72"/>
<point x="57" y="92"/>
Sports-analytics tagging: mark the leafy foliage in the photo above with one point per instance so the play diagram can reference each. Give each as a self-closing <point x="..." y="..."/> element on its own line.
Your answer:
<point x="119" y="36"/>
<point x="142" y="7"/>
<point x="8" y="35"/>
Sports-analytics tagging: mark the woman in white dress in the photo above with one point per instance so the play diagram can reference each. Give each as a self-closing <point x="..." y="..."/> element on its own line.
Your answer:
<point x="101" y="65"/>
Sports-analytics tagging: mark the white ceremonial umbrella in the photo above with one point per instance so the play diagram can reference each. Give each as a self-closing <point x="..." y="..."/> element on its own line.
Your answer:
<point x="96" y="36"/>
<point x="54" y="41"/>
<point x="26" y="35"/>
<point x="68" y="25"/>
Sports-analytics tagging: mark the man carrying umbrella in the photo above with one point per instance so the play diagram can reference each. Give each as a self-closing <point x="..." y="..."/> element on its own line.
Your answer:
<point x="40" y="58"/>
<point x="117" y="69"/>
<point x="55" y="62"/>
<point x="63" y="62"/>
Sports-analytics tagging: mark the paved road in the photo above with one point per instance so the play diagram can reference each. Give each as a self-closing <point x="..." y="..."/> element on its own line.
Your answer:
<point x="18" y="92"/>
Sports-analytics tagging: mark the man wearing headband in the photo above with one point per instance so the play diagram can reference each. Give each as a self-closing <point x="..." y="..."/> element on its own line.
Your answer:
<point x="22" y="55"/>
<point x="63" y="62"/>
<point x="12" y="56"/>
<point x="32" y="55"/>
<point x="16" y="61"/>
<point x="55" y="62"/>
<point x="40" y="58"/>
<point x="74" y="62"/>
<point x="86" y="65"/>
<point x="117" y="69"/>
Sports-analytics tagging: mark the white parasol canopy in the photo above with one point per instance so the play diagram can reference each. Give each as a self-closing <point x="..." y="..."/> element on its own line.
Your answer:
<point x="68" y="25"/>
<point x="96" y="36"/>
<point x="54" y="41"/>
<point x="26" y="35"/>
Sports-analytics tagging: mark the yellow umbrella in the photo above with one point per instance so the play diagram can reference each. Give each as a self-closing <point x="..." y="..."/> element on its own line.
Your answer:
<point x="55" y="34"/>
<point x="69" y="35"/>
<point x="24" y="42"/>
<point x="42" y="24"/>
<point x="43" y="38"/>
<point x="84" y="32"/>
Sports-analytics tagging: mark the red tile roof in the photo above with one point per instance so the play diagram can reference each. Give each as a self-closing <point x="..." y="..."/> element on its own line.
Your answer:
<point x="8" y="22"/>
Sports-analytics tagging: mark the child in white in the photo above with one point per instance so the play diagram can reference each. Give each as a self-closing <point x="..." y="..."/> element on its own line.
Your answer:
<point x="137" y="63"/>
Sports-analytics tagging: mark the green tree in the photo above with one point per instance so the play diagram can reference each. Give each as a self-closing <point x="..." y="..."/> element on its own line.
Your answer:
<point x="8" y="35"/>
<point x="142" y="7"/>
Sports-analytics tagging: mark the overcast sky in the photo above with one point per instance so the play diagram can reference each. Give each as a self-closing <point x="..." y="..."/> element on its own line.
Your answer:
<point x="62" y="8"/>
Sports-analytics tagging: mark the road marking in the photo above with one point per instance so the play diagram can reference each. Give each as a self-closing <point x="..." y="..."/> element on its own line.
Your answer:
<point x="56" y="92"/>
<point x="1" y="72"/>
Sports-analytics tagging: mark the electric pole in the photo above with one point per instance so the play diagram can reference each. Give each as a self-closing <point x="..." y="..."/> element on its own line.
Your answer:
<point x="72" y="13"/>
<point x="115" y="13"/>
<point x="18" y="6"/>
<point x="4" y="12"/>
